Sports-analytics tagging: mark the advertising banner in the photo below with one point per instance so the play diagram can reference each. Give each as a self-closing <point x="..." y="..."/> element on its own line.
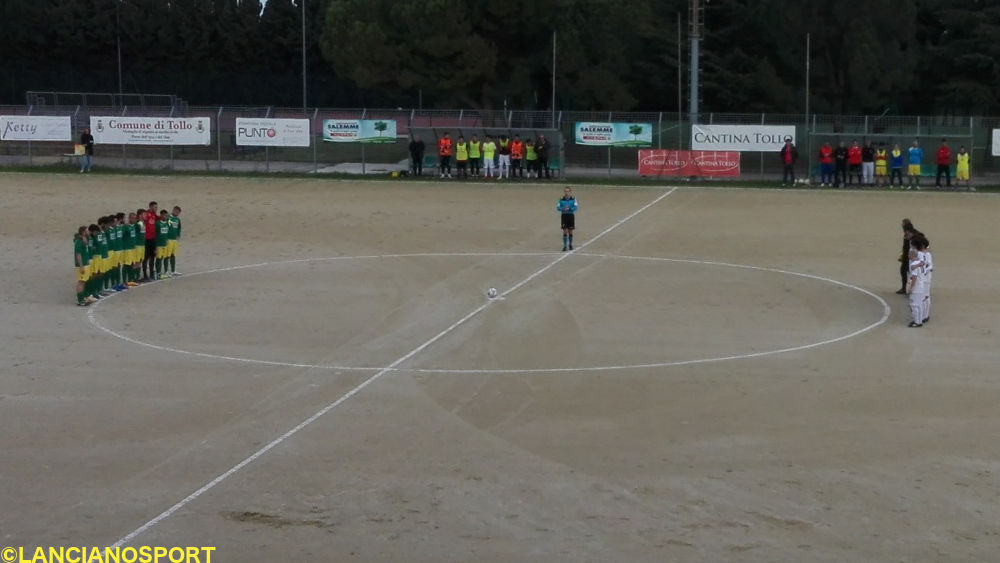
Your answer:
<point x="689" y="163"/>
<point x="614" y="134"/>
<point x="272" y="132"/>
<point x="35" y="128"/>
<point x="742" y="138"/>
<point x="118" y="130"/>
<point x="996" y="142"/>
<point x="359" y="130"/>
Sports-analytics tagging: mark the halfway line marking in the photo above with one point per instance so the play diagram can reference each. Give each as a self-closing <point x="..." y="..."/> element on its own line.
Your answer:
<point x="211" y="484"/>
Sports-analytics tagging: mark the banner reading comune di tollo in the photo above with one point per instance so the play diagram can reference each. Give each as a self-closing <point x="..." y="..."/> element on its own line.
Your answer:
<point x="689" y="163"/>
<point x="118" y="130"/>
<point x="359" y="130"/>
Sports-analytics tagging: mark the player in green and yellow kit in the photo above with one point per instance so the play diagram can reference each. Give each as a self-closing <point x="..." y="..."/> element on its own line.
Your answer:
<point x="81" y="259"/>
<point x="173" y="237"/>
<point x="162" y="236"/>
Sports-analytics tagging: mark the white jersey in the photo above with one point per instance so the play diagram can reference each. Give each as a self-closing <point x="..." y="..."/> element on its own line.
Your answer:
<point x="919" y="272"/>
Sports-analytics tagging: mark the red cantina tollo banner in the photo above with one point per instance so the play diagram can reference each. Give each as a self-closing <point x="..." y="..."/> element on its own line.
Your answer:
<point x="689" y="163"/>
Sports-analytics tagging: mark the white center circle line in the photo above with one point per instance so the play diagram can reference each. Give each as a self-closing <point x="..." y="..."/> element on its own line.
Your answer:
<point x="886" y="311"/>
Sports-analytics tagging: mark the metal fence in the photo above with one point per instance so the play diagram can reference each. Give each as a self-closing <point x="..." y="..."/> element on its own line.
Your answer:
<point x="670" y="131"/>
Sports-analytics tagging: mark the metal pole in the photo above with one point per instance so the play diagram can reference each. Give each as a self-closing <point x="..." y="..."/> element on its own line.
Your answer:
<point x="680" y="87"/>
<point x="118" y="40"/>
<point x="553" y="79"/>
<point x="808" y="135"/>
<point x="314" y="141"/>
<point x="218" y="137"/>
<point x="303" y="55"/>
<point x="695" y="32"/>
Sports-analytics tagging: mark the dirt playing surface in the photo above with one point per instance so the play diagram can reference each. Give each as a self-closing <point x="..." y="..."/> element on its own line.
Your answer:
<point x="708" y="378"/>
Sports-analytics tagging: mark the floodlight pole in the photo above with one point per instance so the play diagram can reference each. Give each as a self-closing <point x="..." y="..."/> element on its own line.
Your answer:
<point x="118" y="44"/>
<point x="553" y="106"/>
<point x="304" y="55"/>
<point x="697" y="22"/>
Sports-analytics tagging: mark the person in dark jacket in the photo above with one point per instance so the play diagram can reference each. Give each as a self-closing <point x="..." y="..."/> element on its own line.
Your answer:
<point x="417" y="155"/>
<point x="840" y="160"/>
<point x="542" y="150"/>
<point x="789" y="154"/>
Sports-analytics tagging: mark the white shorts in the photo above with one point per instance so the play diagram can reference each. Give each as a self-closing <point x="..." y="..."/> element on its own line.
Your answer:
<point x="504" y="161"/>
<point x="487" y="165"/>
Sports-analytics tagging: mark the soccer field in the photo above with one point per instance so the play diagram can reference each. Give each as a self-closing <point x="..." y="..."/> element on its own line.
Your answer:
<point x="713" y="374"/>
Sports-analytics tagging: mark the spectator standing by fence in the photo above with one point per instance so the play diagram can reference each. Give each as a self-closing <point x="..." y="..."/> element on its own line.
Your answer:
<point x="87" y="158"/>
<point x="789" y="154"/>
<point x="881" y="162"/>
<point x="962" y="167"/>
<point x="444" y="154"/>
<point x="475" y="155"/>
<point x="542" y="149"/>
<point x="461" y="157"/>
<point x="896" y="164"/>
<point x="840" y="158"/>
<point x="854" y="161"/>
<point x="868" y="163"/>
<point x="943" y="164"/>
<point x="417" y="148"/>
<point x="826" y="164"/>
<point x="915" y="157"/>
<point x="531" y="158"/>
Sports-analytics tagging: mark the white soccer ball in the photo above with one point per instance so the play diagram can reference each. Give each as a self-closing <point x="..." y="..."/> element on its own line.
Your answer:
<point x="492" y="293"/>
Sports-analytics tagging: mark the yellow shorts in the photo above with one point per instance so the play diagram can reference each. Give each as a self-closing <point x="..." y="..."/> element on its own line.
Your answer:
<point x="134" y="256"/>
<point x="962" y="173"/>
<point x="112" y="259"/>
<point x="83" y="274"/>
<point x="161" y="252"/>
<point x="880" y="170"/>
<point x="913" y="170"/>
<point x="172" y="247"/>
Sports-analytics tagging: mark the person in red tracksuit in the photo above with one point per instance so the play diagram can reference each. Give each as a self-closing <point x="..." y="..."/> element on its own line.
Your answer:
<point x="826" y="164"/>
<point x="148" y="268"/>
<point x="854" y="161"/>
<point x="943" y="163"/>
<point x="444" y="153"/>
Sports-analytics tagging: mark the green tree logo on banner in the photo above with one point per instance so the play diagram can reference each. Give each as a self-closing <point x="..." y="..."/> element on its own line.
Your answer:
<point x="381" y="126"/>
<point x="635" y="131"/>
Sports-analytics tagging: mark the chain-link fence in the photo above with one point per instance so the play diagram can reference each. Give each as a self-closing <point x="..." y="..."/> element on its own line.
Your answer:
<point x="670" y="130"/>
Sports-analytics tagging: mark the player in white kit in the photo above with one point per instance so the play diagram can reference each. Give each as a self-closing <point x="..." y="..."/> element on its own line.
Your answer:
<point x="917" y="284"/>
<point x="928" y="260"/>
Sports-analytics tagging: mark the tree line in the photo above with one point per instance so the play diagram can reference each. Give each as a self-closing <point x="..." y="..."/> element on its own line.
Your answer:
<point x="889" y="57"/>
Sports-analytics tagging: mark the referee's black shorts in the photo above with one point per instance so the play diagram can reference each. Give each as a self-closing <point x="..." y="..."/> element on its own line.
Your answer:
<point x="568" y="221"/>
<point x="150" y="248"/>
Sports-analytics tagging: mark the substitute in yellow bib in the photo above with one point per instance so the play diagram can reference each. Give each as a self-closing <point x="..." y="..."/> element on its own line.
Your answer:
<point x="962" y="166"/>
<point x="881" y="168"/>
<point x="462" y="157"/>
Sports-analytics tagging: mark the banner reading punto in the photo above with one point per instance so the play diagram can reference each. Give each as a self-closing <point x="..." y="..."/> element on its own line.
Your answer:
<point x="272" y="132"/>
<point x="689" y="163"/>
<point x="359" y="130"/>
<point x="744" y="138"/>
<point x="614" y="134"/>
<point x="35" y="128"/>
<point x="119" y="130"/>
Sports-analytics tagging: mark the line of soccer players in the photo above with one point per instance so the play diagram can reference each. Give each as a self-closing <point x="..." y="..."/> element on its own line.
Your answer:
<point x="121" y="251"/>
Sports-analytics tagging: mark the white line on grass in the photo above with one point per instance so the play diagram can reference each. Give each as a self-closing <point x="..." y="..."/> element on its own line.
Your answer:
<point x="253" y="457"/>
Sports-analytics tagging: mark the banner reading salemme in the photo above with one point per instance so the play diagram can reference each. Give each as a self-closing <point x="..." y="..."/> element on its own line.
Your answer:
<point x="755" y="138"/>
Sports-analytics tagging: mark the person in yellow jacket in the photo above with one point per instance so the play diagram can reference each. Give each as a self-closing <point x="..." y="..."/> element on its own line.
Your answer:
<point x="962" y="167"/>
<point x="461" y="157"/>
<point x="531" y="158"/>
<point x="881" y="168"/>
<point x="475" y="155"/>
